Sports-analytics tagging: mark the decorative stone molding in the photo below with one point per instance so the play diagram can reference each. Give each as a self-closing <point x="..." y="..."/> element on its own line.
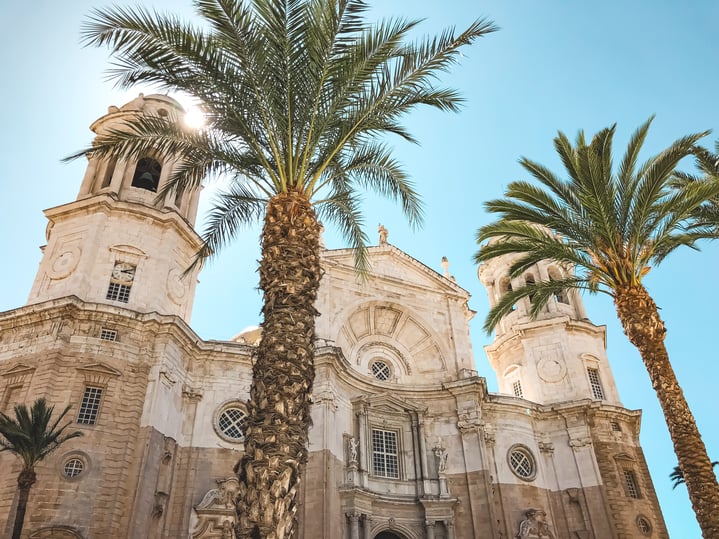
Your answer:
<point x="191" y="393"/>
<point x="216" y="512"/>
<point x="470" y="420"/>
<point x="546" y="447"/>
<point x="534" y="526"/>
<point x="489" y="435"/>
<point x="327" y="397"/>
<point x="98" y="373"/>
<point x="18" y="375"/>
<point x="578" y="443"/>
<point x="56" y="532"/>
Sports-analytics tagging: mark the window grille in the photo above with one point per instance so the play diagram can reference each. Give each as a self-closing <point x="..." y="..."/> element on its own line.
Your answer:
<point x="118" y="292"/>
<point x="630" y="480"/>
<point x="644" y="525"/>
<point x="522" y="463"/>
<point x="381" y="371"/>
<point x="595" y="383"/>
<point x="615" y="426"/>
<point x="90" y="406"/>
<point x="517" y="389"/>
<point x="73" y="468"/>
<point x="385" y="461"/>
<point x="108" y="334"/>
<point x="232" y="423"/>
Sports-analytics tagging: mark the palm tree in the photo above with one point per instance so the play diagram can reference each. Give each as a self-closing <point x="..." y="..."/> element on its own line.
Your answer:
<point x="298" y="97"/>
<point x="612" y="227"/>
<point x="677" y="476"/>
<point x="31" y="435"/>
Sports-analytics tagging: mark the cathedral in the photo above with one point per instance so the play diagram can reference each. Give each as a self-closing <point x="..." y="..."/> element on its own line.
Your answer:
<point x="406" y="443"/>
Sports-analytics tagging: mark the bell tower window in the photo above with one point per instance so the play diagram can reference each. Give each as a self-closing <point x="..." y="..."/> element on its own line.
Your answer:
<point x="529" y="280"/>
<point x="109" y="171"/>
<point x="560" y="296"/>
<point x="147" y="174"/>
<point x="595" y="383"/>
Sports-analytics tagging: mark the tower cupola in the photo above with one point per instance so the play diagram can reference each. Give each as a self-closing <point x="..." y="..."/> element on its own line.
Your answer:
<point x="117" y="243"/>
<point x="560" y="355"/>
<point x="138" y="180"/>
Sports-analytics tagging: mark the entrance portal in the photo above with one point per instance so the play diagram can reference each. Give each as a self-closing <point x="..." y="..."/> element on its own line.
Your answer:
<point x="387" y="535"/>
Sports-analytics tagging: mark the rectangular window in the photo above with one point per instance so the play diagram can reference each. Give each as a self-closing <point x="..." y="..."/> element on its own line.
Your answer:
<point x="118" y="292"/>
<point x="517" y="388"/>
<point x="90" y="405"/>
<point x="595" y="383"/>
<point x="615" y="426"/>
<point x="631" y="482"/>
<point x="11" y="399"/>
<point x="108" y="334"/>
<point x="384" y="453"/>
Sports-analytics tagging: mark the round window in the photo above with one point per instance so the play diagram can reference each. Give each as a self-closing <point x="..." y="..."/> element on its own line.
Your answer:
<point x="644" y="525"/>
<point x="230" y="423"/>
<point x="521" y="462"/>
<point x="73" y="467"/>
<point x="381" y="371"/>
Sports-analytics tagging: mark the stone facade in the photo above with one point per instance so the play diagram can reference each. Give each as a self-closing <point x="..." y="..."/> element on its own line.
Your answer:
<point x="406" y="440"/>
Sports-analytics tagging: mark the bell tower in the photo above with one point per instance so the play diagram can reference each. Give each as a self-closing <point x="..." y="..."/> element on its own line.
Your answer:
<point x="561" y="355"/>
<point x="116" y="243"/>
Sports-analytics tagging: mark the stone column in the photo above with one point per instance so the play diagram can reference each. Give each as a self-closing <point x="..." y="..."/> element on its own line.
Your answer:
<point x="367" y="526"/>
<point x="363" y="446"/>
<point x="89" y="179"/>
<point x="430" y="529"/>
<point x="449" y="524"/>
<point x="119" y="175"/>
<point x="354" y="524"/>
<point x="426" y="488"/>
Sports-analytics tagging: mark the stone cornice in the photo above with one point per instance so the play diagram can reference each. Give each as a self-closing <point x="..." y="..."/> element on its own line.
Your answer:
<point x="520" y="331"/>
<point x="109" y="202"/>
<point x="72" y="308"/>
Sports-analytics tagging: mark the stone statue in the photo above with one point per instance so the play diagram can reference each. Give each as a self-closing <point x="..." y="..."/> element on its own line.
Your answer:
<point x="440" y="454"/>
<point x="383" y="233"/>
<point x="535" y="526"/>
<point x="352" y="445"/>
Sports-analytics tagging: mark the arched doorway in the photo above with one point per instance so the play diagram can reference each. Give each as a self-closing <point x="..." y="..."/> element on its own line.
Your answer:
<point x="387" y="535"/>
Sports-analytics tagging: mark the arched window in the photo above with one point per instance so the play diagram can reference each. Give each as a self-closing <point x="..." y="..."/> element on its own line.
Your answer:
<point x="109" y="171"/>
<point x="147" y="174"/>
<point x="529" y="280"/>
<point x="505" y="286"/>
<point x="560" y="296"/>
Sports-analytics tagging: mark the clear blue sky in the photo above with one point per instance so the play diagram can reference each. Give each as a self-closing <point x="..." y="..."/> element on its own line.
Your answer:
<point x="553" y="66"/>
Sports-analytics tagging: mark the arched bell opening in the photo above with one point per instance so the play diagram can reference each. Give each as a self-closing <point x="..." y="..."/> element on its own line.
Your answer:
<point x="147" y="174"/>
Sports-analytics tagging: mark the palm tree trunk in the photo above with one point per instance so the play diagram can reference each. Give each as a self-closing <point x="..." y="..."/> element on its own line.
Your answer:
<point x="25" y="481"/>
<point x="280" y="396"/>
<point x="645" y="329"/>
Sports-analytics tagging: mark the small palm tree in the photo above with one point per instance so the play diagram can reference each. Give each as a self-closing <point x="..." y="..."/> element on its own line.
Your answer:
<point x="677" y="476"/>
<point x="31" y="435"/>
<point x="298" y="96"/>
<point x="612" y="227"/>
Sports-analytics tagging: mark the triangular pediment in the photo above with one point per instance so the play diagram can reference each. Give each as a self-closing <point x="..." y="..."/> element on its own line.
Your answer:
<point x="128" y="250"/>
<point x="388" y="403"/>
<point x="389" y="263"/>
<point x="18" y="370"/>
<point x="99" y="368"/>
